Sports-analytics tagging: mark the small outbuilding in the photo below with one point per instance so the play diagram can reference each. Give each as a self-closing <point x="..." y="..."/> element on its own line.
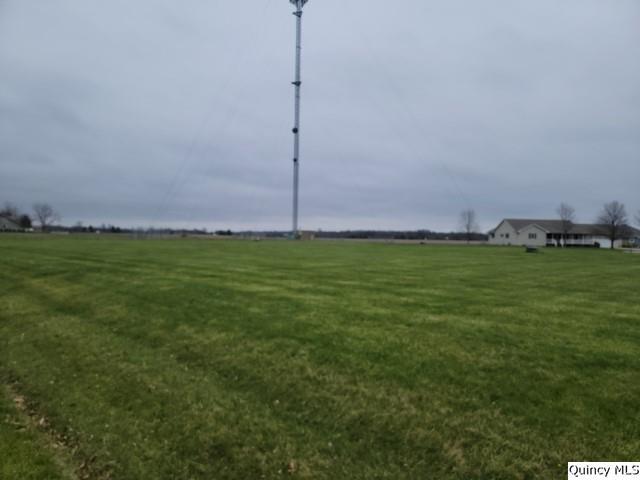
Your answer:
<point x="306" y="235"/>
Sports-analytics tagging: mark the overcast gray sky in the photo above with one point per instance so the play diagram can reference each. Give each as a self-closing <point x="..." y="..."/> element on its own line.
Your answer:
<point x="158" y="112"/>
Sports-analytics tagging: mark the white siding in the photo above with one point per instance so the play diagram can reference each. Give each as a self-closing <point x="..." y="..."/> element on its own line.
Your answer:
<point x="606" y="243"/>
<point x="532" y="235"/>
<point x="6" y="225"/>
<point x="503" y="235"/>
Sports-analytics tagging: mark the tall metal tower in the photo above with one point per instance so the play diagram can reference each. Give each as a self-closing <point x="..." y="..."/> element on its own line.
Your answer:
<point x="296" y="127"/>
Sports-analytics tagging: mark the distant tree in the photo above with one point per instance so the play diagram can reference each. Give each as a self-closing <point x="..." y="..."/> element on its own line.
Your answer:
<point x="25" y="221"/>
<point x="468" y="223"/>
<point x="614" y="218"/>
<point x="567" y="216"/>
<point x="10" y="211"/>
<point x="45" y="215"/>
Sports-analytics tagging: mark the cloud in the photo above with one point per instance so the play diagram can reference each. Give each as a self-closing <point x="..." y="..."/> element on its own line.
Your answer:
<point x="155" y="112"/>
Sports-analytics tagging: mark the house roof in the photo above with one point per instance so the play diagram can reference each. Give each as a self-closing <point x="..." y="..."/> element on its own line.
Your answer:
<point x="556" y="227"/>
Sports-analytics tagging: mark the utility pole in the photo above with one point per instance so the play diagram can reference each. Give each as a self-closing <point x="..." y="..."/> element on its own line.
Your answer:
<point x="296" y="127"/>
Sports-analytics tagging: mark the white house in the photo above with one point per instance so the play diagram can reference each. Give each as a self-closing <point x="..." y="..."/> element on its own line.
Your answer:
<point x="549" y="233"/>
<point x="7" y="225"/>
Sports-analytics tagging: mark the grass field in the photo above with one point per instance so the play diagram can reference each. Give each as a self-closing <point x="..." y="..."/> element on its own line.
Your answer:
<point x="194" y="359"/>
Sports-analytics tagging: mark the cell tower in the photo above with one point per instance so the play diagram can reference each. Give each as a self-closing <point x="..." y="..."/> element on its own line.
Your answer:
<point x="296" y="127"/>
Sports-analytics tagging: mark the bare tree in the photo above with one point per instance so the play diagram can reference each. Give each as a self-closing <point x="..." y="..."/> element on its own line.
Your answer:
<point x="10" y="211"/>
<point x="468" y="223"/>
<point x="614" y="218"/>
<point x="567" y="216"/>
<point x="46" y="215"/>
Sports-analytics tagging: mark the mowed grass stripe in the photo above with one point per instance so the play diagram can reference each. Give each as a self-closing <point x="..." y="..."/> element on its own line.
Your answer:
<point x="153" y="408"/>
<point x="71" y="335"/>
<point x="351" y="416"/>
<point x="461" y="325"/>
<point x="466" y="377"/>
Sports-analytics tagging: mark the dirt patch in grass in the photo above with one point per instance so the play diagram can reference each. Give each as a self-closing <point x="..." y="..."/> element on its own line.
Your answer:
<point x="63" y="449"/>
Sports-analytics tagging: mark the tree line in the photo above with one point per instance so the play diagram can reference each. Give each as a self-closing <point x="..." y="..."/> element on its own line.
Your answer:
<point x="613" y="219"/>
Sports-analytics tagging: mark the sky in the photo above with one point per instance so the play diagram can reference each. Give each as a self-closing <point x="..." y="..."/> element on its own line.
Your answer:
<point x="165" y="113"/>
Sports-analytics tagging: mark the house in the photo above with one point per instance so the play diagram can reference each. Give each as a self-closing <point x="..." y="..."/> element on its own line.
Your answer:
<point x="8" y="225"/>
<point x="550" y="233"/>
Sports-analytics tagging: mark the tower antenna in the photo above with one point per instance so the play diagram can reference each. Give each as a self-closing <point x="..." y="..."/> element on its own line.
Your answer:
<point x="296" y="127"/>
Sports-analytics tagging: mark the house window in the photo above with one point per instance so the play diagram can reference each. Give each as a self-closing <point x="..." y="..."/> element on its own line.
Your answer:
<point x="506" y="235"/>
<point x="533" y="236"/>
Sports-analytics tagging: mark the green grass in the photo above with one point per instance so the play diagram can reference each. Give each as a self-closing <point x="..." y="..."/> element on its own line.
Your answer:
<point x="194" y="359"/>
<point x="25" y="453"/>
